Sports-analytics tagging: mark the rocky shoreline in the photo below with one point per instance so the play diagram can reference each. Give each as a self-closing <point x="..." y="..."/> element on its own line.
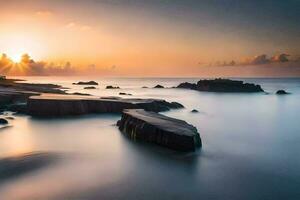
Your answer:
<point x="140" y="119"/>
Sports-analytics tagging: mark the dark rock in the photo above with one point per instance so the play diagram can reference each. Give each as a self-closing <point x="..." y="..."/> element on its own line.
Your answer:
<point x="11" y="167"/>
<point x="155" y="128"/>
<point x="222" y="85"/>
<point x="10" y="96"/>
<point x="194" y="111"/>
<point x="3" y="121"/>
<point x="144" y="87"/>
<point x="61" y="105"/>
<point x="159" y="86"/>
<point x="18" y="107"/>
<point x="112" y="87"/>
<point x="123" y="93"/>
<point x="10" y="118"/>
<point x="89" y="88"/>
<point x="187" y="85"/>
<point x="281" y="92"/>
<point x="86" y="83"/>
<point x="81" y="94"/>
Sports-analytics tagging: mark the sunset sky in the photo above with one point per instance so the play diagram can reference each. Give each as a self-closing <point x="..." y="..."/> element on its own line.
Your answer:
<point x="151" y="37"/>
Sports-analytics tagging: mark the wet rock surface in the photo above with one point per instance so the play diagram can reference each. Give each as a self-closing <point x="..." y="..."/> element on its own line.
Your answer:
<point x="13" y="93"/>
<point x="155" y="128"/>
<point x="61" y="105"/>
<point x="222" y="85"/>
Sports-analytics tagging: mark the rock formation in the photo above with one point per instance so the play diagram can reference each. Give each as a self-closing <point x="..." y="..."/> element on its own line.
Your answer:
<point x="89" y="88"/>
<point x="281" y="92"/>
<point x="159" y="86"/>
<point x="155" y="128"/>
<point x="86" y="83"/>
<point x="222" y="85"/>
<point x="3" y="121"/>
<point x="112" y="87"/>
<point x="61" y="105"/>
<point x="123" y="93"/>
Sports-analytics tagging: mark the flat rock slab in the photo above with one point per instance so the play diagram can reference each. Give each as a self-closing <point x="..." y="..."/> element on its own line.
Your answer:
<point x="62" y="105"/>
<point x="152" y="127"/>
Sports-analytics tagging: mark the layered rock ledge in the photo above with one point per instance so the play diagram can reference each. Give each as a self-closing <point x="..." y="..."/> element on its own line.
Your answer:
<point x="222" y="85"/>
<point x="155" y="128"/>
<point x="62" y="105"/>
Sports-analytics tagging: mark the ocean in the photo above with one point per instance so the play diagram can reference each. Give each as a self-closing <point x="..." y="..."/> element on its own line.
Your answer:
<point x="251" y="145"/>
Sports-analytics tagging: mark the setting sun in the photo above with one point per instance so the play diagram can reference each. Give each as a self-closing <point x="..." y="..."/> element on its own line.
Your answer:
<point x="16" y="57"/>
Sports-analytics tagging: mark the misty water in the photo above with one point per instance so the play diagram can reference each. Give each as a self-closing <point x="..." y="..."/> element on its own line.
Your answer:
<point x="251" y="145"/>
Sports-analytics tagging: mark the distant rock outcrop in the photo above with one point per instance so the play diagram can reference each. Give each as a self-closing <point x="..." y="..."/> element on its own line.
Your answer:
<point x="61" y="105"/>
<point x="194" y="111"/>
<point x="281" y="92"/>
<point x="81" y="94"/>
<point x="112" y="87"/>
<point x="123" y="93"/>
<point x="222" y="85"/>
<point x="155" y="128"/>
<point x="89" y="88"/>
<point x="86" y="83"/>
<point x="159" y="86"/>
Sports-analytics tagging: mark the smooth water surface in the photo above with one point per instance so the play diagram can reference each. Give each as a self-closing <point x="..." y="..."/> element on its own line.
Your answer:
<point x="251" y="145"/>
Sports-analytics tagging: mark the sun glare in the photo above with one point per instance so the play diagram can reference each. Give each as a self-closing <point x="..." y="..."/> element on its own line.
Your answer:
<point x="16" y="57"/>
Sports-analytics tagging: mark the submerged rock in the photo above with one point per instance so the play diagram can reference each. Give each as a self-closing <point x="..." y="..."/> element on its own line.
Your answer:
<point x="86" y="83"/>
<point x="159" y="86"/>
<point x="11" y="167"/>
<point x="3" y="121"/>
<point x="89" y="88"/>
<point x="222" y="85"/>
<point x="152" y="127"/>
<point x="112" y="87"/>
<point x="281" y="92"/>
<point x="61" y="105"/>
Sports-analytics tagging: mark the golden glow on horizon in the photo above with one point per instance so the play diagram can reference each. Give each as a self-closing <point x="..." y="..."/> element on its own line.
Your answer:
<point x="17" y="44"/>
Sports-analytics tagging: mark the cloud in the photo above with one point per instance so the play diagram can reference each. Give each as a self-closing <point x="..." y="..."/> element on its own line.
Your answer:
<point x="258" y="60"/>
<point x="280" y="58"/>
<point x="70" y="25"/>
<point x="44" y="13"/>
<point x="81" y="27"/>
<point x="262" y="59"/>
<point x="27" y="66"/>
